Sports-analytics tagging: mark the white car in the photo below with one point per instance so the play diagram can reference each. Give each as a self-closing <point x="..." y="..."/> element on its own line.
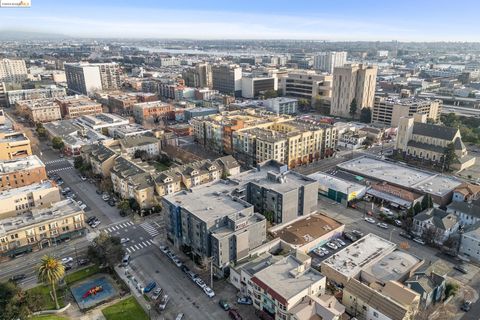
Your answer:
<point x="369" y="220"/>
<point x="209" y="292"/>
<point x="318" y="252"/>
<point x="124" y="240"/>
<point x="382" y="225"/>
<point x="332" y="246"/>
<point x="419" y="241"/>
<point x="96" y="223"/>
<point x="200" y="283"/>
<point x="325" y="251"/>
<point x="341" y="242"/>
<point x="177" y="262"/>
<point x="83" y="206"/>
<point x="156" y="294"/>
<point x="67" y="260"/>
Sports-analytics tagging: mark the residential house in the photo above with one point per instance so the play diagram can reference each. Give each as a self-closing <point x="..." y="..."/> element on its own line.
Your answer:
<point x="470" y="242"/>
<point x="468" y="213"/>
<point x="466" y="192"/>
<point x="100" y="157"/>
<point x="429" y="283"/>
<point x="435" y="225"/>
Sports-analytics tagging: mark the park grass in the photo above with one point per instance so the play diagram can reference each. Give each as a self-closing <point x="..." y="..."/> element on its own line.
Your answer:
<point x="126" y="309"/>
<point x="47" y="303"/>
<point x="81" y="274"/>
<point x="48" y="317"/>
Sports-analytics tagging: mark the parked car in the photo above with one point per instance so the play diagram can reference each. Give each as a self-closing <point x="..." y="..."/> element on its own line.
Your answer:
<point x="224" y="304"/>
<point x="319" y="252"/>
<point x="245" y="300"/>
<point x="234" y="315"/>
<point x="124" y="240"/>
<point x="111" y="203"/>
<point x="382" y="225"/>
<point x="332" y="246"/>
<point x="370" y="220"/>
<point x="18" y="277"/>
<point x="340" y="241"/>
<point x="126" y="259"/>
<point x="156" y="294"/>
<point x="98" y="191"/>
<point x="357" y="233"/>
<point x="405" y="235"/>
<point x="209" y="292"/>
<point x="67" y="260"/>
<point x="164" y="249"/>
<point x="83" y="178"/>
<point x="105" y="197"/>
<point x="200" y="283"/>
<point x="419" y="240"/>
<point x="177" y="262"/>
<point x="96" y="223"/>
<point x="460" y="268"/>
<point x="163" y="303"/>
<point x="466" y="306"/>
<point x="398" y="223"/>
<point x="325" y="251"/>
<point x="83" y="262"/>
<point x="192" y="275"/>
<point x="83" y="206"/>
<point x="150" y="287"/>
<point x="350" y="236"/>
<point x="90" y="219"/>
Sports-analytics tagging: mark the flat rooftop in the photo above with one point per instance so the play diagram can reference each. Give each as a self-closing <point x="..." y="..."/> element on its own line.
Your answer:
<point x="285" y="279"/>
<point x="26" y="163"/>
<point x="22" y="190"/>
<point x="57" y="210"/>
<point x="13" y="136"/>
<point x="352" y="259"/>
<point x="401" y="175"/>
<point x="327" y="181"/>
<point x="393" y="266"/>
<point x="308" y="229"/>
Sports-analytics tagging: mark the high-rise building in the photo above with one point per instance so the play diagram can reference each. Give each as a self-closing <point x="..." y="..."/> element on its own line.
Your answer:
<point x="328" y="61"/>
<point x="3" y="95"/>
<point x="227" y="78"/>
<point x="12" y="70"/>
<point x="86" y="78"/>
<point x="307" y="85"/>
<point x="353" y="82"/>
<point x="199" y="76"/>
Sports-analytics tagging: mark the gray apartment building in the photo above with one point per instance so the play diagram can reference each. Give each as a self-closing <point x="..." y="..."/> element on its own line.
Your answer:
<point x="227" y="78"/>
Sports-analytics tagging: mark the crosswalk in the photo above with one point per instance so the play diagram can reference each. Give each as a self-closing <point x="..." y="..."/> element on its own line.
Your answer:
<point x="150" y="229"/>
<point x="118" y="226"/>
<point x="55" y="161"/>
<point x="139" y="246"/>
<point x="59" y="169"/>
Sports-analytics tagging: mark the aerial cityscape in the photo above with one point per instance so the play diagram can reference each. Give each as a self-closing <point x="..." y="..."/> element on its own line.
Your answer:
<point x="217" y="160"/>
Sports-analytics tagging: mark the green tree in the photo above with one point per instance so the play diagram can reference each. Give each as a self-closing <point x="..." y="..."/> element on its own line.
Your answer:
<point x="417" y="208"/>
<point x="50" y="271"/>
<point x="12" y="302"/>
<point x="41" y="130"/>
<point x="431" y="121"/>
<point x="269" y="216"/>
<point x="449" y="156"/>
<point x="78" y="162"/>
<point x="270" y="94"/>
<point x="303" y="104"/>
<point x="449" y="119"/>
<point x="451" y="289"/>
<point x="142" y="154"/>
<point x="427" y="202"/>
<point x="106" y="250"/>
<point x="353" y="108"/>
<point x="366" y="115"/>
<point x="57" y="143"/>
<point x="124" y="206"/>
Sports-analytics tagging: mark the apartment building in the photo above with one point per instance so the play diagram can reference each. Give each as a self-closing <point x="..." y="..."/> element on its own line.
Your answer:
<point x="14" y="145"/>
<point x="86" y="78"/>
<point x="3" y="95"/>
<point x="148" y="144"/>
<point x="328" y="61"/>
<point x="41" y="228"/>
<point x="309" y="85"/>
<point x="122" y="104"/>
<point x="280" y="287"/>
<point x="353" y="82"/>
<point x="253" y="86"/>
<point x="420" y="140"/>
<point x="132" y="179"/>
<point x="199" y="76"/>
<point x="470" y="242"/>
<point x="23" y="199"/>
<point x="292" y="142"/>
<point x="39" y="111"/>
<point x="21" y="172"/>
<point x="13" y="70"/>
<point x="387" y="111"/>
<point x="152" y="111"/>
<point x="76" y="106"/>
<point x="100" y="157"/>
<point x="227" y="78"/>
<point x="281" y="105"/>
<point x="32" y="94"/>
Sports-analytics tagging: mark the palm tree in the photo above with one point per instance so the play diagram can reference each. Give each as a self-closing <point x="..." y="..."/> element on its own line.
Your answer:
<point x="50" y="271"/>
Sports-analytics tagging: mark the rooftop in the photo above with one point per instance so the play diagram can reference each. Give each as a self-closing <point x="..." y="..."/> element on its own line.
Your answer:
<point x="10" y="136"/>
<point x="327" y="181"/>
<point x="39" y="103"/>
<point x="401" y="175"/>
<point x="22" y="190"/>
<point x="137" y="140"/>
<point x="393" y="266"/>
<point x="26" y="163"/>
<point x="357" y="256"/>
<point x="57" y="210"/>
<point x="306" y="230"/>
<point x="286" y="278"/>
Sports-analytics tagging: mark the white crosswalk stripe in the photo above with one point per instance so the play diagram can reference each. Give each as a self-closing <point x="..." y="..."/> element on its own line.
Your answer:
<point x="150" y="230"/>
<point x="109" y="230"/>
<point x="140" y="245"/>
<point x="128" y="250"/>
<point x="130" y="223"/>
<point x="136" y="247"/>
<point x="55" y="161"/>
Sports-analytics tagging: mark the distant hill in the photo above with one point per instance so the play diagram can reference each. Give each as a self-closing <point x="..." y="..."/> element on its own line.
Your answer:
<point x="28" y="35"/>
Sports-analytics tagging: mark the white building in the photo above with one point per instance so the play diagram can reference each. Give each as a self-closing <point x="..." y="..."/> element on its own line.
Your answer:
<point x="470" y="244"/>
<point x="150" y="145"/>
<point x="13" y="70"/>
<point x="327" y="61"/>
<point x="83" y="78"/>
<point x="252" y="86"/>
<point x="281" y="105"/>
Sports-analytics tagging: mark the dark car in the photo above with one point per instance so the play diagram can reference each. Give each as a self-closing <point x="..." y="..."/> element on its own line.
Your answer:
<point x="83" y="262"/>
<point x="244" y="300"/>
<point x="98" y="191"/>
<point x="358" y="234"/>
<point x="460" y="268"/>
<point x="466" y="306"/>
<point x="111" y="203"/>
<point x="184" y="268"/>
<point x="150" y="287"/>
<point x="91" y="219"/>
<point x="405" y="235"/>
<point x="18" y="277"/>
<point x="224" y="304"/>
<point x="350" y="236"/>
<point x="233" y="314"/>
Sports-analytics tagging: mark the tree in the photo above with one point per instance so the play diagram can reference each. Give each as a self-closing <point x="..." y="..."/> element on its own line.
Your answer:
<point x="50" y="271"/>
<point x="269" y="216"/>
<point x="450" y="119"/>
<point x="431" y="121"/>
<point x="106" y="185"/>
<point x="451" y="289"/>
<point x="106" y="250"/>
<point x="78" y="162"/>
<point x="366" y="115"/>
<point x="427" y="202"/>
<point x="57" y="143"/>
<point x="134" y="204"/>
<point x="417" y="208"/>
<point x="303" y="104"/>
<point x="270" y="94"/>
<point x="353" y="108"/>
<point x="449" y="156"/>
<point x="41" y="130"/>
<point x="451" y="243"/>
<point x="142" y="154"/>
<point x="12" y="302"/>
<point x="124" y="206"/>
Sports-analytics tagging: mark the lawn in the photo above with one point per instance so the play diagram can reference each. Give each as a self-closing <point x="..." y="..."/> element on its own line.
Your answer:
<point x="47" y="303"/>
<point x="81" y="274"/>
<point x="159" y="166"/>
<point x="48" y="317"/>
<point x="127" y="309"/>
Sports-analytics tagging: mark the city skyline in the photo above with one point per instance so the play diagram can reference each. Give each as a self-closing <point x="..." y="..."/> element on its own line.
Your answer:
<point x="303" y="20"/>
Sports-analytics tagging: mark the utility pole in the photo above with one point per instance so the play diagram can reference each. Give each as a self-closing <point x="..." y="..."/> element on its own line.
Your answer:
<point x="211" y="272"/>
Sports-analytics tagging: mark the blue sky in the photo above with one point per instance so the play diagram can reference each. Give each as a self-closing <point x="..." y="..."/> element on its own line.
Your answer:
<point x="404" y="20"/>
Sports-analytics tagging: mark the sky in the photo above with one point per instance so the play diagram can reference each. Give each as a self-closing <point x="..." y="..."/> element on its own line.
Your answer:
<point x="335" y="20"/>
